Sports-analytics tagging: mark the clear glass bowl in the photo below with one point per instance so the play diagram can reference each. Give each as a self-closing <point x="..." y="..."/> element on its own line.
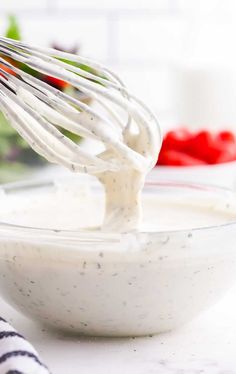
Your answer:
<point x="111" y="284"/>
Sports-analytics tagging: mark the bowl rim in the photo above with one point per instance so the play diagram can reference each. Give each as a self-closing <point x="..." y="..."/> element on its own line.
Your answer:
<point x="37" y="183"/>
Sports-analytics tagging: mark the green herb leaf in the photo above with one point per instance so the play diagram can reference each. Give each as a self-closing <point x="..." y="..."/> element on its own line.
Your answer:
<point x="5" y="128"/>
<point x="13" y="30"/>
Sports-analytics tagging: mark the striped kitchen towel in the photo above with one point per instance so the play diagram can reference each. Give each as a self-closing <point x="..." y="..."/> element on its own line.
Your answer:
<point x="17" y="355"/>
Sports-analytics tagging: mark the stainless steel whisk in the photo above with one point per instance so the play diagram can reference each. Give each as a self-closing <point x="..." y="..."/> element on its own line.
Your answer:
<point x="37" y="111"/>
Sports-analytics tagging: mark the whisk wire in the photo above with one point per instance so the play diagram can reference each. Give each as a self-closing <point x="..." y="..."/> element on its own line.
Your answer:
<point x="38" y="111"/>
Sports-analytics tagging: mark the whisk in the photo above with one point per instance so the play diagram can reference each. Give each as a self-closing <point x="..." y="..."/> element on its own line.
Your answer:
<point x="127" y="129"/>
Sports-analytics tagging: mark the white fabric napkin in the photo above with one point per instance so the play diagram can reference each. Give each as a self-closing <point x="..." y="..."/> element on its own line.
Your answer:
<point x="17" y="355"/>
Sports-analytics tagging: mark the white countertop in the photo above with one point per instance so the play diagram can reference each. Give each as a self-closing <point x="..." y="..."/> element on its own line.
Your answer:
<point x="206" y="346"/>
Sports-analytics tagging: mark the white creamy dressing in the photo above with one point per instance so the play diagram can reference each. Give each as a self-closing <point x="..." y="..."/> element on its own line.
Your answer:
<point x="79" y="208"/>
<point x="113" y="284"/>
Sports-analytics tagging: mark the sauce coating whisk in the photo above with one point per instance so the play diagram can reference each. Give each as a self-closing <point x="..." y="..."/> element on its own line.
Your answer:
<point x="127" y="129"/>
